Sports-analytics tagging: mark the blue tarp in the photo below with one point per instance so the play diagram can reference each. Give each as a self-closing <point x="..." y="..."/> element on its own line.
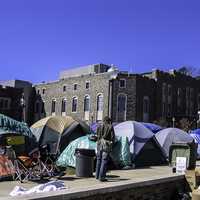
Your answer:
<point x="8" y="124"/>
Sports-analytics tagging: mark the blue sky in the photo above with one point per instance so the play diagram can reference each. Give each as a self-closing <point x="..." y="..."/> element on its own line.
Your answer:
<point x="39" y="38"/>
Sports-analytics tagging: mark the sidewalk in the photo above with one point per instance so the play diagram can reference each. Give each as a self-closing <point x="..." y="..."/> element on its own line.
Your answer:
<point x="116" y="178"/>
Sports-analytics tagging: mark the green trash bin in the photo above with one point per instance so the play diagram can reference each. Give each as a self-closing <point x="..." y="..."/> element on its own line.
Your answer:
<point x="188" y="150"/>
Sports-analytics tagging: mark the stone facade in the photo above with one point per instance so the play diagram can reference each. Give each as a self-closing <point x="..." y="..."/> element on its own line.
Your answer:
<point x="98" y="84"/>
<point x="10" y="102"/>
<point x="142" y="97"/>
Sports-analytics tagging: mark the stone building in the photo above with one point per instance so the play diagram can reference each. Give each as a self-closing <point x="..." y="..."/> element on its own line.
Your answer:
<point x="10" y="102"/>
<point x="27" y="95"/>
<point x="94" y="91"/>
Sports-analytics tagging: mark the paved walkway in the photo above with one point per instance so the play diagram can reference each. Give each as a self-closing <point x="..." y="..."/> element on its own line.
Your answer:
<point x="115" y="178"/>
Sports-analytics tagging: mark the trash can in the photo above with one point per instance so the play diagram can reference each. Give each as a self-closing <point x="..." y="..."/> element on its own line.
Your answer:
<point x="84" y="162"/>
<point x="188" y="150"/>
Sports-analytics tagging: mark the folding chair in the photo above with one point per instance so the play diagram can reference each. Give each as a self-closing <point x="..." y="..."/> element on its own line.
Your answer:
<point x="21" y="172"/>
<point x="49" y="156"/>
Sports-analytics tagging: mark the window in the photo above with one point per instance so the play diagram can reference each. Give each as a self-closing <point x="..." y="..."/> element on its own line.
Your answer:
<point x="100" y="102"/>
<point x="53" y="106"/>
<point x="64" y="88"/>
<point x="87" y="85"/>
<point x="63" y="106"/>
<point x="169" y="109"/>
<point x="169" y="90"/>
<point x="37" y="107"/>
<point x="1" y="103"/>
<point x="122" y="83"/>
<point x="86" y="103"/>
<point x="5" y="103"/>
<point x="42" y="107"/>
<point x="43" y="91"/>
<point x="38" y="91"/>
<point x="74" y="104"/>
<point x="75" y="86"/>
<point x="164" y="92"/>
<point x="121" y="107"/>
<point x="179" y="97"/>
<point x="146" y="105"/>
<point x="121" y="103"/>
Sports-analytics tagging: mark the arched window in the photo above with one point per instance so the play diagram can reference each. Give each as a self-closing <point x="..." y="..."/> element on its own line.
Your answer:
<point x="87" y="103"/>
<point x="74" y="104"/>
<point x="63" y="106"/>
<point x="121" y="107"/>
<point x="64" y="88"/>
<point x="53" y="106"/>
<point x="100" y="102"/>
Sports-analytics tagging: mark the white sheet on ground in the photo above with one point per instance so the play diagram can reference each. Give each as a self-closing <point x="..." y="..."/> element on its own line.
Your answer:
<point x="46" y="187"/>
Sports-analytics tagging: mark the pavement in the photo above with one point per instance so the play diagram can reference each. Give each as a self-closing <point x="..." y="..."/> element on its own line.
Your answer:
<point x="116" y="178"/>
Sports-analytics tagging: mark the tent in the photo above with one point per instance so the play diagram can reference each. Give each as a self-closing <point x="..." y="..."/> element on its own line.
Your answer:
<point x="58" y="130"/>
<point x="152" y="127"/>
<point x="143" y="145"/>
<point x="120" y="154"/>
<point x="196" y="136"/>
<point x="168" y="136"/>
<point x="16" y="134"/>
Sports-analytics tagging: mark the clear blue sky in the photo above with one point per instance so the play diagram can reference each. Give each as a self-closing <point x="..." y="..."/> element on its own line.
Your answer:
<point x="39" y="38"/>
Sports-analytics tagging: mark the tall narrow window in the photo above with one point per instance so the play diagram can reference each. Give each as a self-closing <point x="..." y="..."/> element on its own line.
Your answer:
<point x="74" y="104"/>
<point x="99" y="107"/>
<point x="87" y="103"/>
<point x="53" y="106"/>
<point x="37" y="107"/>
<point x="42" y="107"/>
<point x="146" y="108"/>
<point x="63" y="106"/>
<point x="87" y="85"/>
<point x="75" y="86"/>
<point x="121" y="107"/>
<point x="43" y="91"/>
<point x="1" y="103"/>
<point x="64" y="88"/>
<point x="100" y="102"/>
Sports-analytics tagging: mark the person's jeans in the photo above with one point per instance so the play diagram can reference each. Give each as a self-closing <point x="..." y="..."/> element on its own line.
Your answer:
<point x="101" y="166"/>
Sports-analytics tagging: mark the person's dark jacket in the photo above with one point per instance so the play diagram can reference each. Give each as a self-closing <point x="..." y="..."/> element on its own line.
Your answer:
<point x="105" y="136"/>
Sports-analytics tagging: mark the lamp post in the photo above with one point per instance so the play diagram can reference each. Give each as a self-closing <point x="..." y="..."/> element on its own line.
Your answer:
<point x="23" y="105"/>
<point x="173" y="121"/>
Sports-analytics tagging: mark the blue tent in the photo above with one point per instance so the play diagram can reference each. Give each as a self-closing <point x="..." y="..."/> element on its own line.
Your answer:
<point x="196" y="131"/>
<point x="145" y="149"/>
<point x="196" y="137"/>
<point x="152" y="127"/>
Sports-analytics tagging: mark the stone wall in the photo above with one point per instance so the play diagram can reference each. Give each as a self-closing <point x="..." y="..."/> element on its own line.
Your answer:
<point x="99" y="84"/>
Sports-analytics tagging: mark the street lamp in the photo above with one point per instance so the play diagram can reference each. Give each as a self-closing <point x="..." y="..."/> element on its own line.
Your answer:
<point x="173" y="121"/>
<point x="23" y="105"/>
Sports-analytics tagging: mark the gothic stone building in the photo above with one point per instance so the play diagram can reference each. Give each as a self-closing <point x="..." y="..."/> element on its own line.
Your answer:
<point x="95" y="91"/>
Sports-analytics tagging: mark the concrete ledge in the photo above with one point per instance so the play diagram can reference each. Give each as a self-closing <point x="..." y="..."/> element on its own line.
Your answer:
<point x="102" y="189"/>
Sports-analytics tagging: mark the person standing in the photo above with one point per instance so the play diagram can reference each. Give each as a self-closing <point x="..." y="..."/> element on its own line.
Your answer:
<point x="105" y="141"/>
